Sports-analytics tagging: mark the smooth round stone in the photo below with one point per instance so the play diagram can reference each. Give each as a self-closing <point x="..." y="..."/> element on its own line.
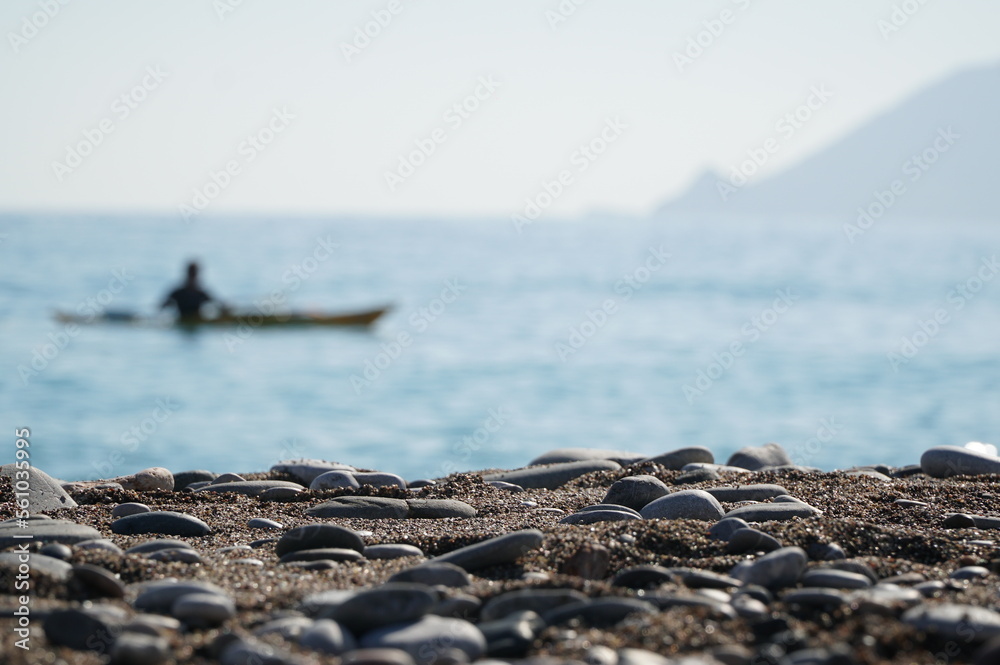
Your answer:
<point x="159" y="596"/>
<point x="56" y="551"/>
<point x="46" y="531"/>
<point x="905" y="579"/>
<point x="497" y="551"/>
<point x="264" y="523"/>
<point x="99" y="544"/>
<point x="459" y="606"/>
<point x="636" y="491"/>
<point x="184" y="479"/>
<point x="726" y="527"/>
<point x="599" y="612"/>
<point x="361" y="507"/>
<point x="834" y="579"/>
<point x="686" y="504"/>
<point x="750" y="608"/>
<point x="97" y="581"/>
<point x="815" y="597"/>
<point x="228" y="478"/>
<point x="885" y="599"/>
<point x="959" y="521"/>
<point x="80" y="630"/>
<point x="318" y="536"/>
<point x="931" y="588"/>
<point x="761" y="492"/>
<point x="510" y="487"/>
<point x="859" y="567"/>
<point x="952" y="620"/>
<point x="594" y="516"/>
<point x="667" y="600"/>
<point x="394" y="602"/>
<point x="251" y="487"/>
<point x="767" y="512"/>
<point x="126" y="509"/>
<point x="392" y="551"/>
<point x="434" y="574"/>
<point x="306" y="470"/>
<point x="279" y="493"/>
<point x="178" y="554"/>
<point x="197" y="485"/>
<point x="260" y="542"/>
<point x="327" y="636"/>
<point x="696" y="476"/>
<point x="756" y="458"/>
<point x="970" y="573"/>
<point x="647" y="576"/>
<point x="536" y="600"/>
<point x="203" y="610"/>
<point x="947" y="461"/>
<point x="561" y="455"/>
<point x="377" y="657"/>
<point x="826" y="552"/>
<point x="322" y="554"/>
<point x="332" y="480"/>
<point x="419" y="484"/>
<point x="694" y="578"/>
<point x="553" y="476"/>
<point x="677" y="459"/>
<point x="39" y="564"/>
<point x="751" y="540"/>
<point x="132" y="648"/>
<point x="380" y="479"/>
<point x="786" y="498"/>
<point x="435" y="509"/>
<point x="161" y="521"/>
<point x="910" y="503"/>
<point x="156" y="545"/>
<point x="238" y="651"/>
<point x="428" y="638"/>
<point x="289" y="628"/>
<point x="775" y="570"/>
<point x="513" y="636"/>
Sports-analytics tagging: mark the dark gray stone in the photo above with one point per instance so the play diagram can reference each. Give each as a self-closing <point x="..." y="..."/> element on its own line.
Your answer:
<point x="45" y="531"/>
<point x="756" y="458"/>
<point x="835" y="579"/>
<point x="767" y="512"/>
<point x="156" y="545"/>
<point x="646" y="576"/>
<point x="264" y="523"/>
<point x="951" y="620"/>
<point x="761" y="492"/>
<point x="327" y="636"/>
<point x="677" y="459"/>
<point x="434" y="574"/>
<point x="40" y="564"/>
<point x="536" y="600"/>
<point x="751" y="540"/>
<point x="598" y="612"/>
<point x="305" y="470"/>
<point x="361" y="507"/>
<point x="322" y="554"/>
<point x="513" y="635"/>
<point x="56" y="551"/>
<point x="562" y="455"/>
<point x="251" y="487"/>
<point x="774" y="570"/>
<point x="428" y="639"/>
<point x="636" y="491"/>
<point x="694" y="578"/>
<point x="159" y="596"/>
<point x="500" y="550"/>
<point x="126" y="509"/>
<point x="160" y="521"/>
<point x="131" y="648"/>
<point x="180" y="554"/>
<point x="685" y="504"/>
<point x="80" y="630"/>
<point x="380" y="479"/>
<point x="947" y="461"/>
<point x="434" y="509"/>
<point x="318" y="536"/>
<point x="692" y="476"/>
<point x="203" y="610"/>
<point x="332" y="480"/>
<point x="594" y="516"/>
<point x="726" y="527"/>
<point x="184" y="479"/>
<point x="391" y="603"/>
<point x="96" y="581"/>
<point x="552" y="476"/>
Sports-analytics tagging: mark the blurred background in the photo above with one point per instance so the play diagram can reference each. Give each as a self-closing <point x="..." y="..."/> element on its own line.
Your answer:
<point x="636" y="226"/>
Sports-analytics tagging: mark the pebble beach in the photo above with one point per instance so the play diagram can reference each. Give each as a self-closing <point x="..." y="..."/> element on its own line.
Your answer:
<point x="590" y="556"/>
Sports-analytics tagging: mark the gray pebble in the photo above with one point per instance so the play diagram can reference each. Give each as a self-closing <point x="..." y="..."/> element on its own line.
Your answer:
<point x="552" y="476"/>
<point x="46" y="531"/>
<point x="159" y="596"/>
<point x="322" y="554"/>
<point x="99" y="544"/>
<point x="264" y="523"/>
<point x="161" y="521"/>
<point x="317" y="536"/>
<point x="305" y="470"/>
<point x="536" y="600"/>
<point x="775" y="570"/>
<point x="756" y="458"/>
<point x="685" y="504"/>
<point x="392" y="551"/>
<point x="132" y="648"/>
<point x="692" y="476"/>
<point x="694" y="578"/>
<point x="826" y="552"/>
<point x="952" y="620"/>
<point x="815" y="597"/>
<point x="203" y="610"/>
<point x="391" y="603"/>
<point x="279" y="493"/>
<point x="726" y="527"/>
<point x="44" y="491"/>
<point x="126" y="509"/>
<point x="251" y="487"/>
<point x="646" y="576"/>
<point x="970" y="573"/>
<point x="594" y="516"/>
<point x="80" y="630"/>
<point x="636" y="491"/>
<point x="228" y="478"/>
<point x="379" y="479"/>
<point x="97" y="581"/>
<point x="760" y="492"/>
<point x="959" y="521"/>
<point x="179" y="554"/>
<point x="332" y="480"/>
<point x="434" y="574"/>
<point x="767" y="512"/>
<point x="428" y="638"/>
<point x="184" y="479"/>
<point x="947" y="461"/>
<point x="56" y="551"/>
<point x="288" y="628"/>
<point x="834" y="579"/>
<point x="361" y="507"/>
<point x="561" y="455"/>
<point x="599" y="612"/>
<point x="327" y="636"/>
<point x="40" y="564"/>
<point x="751" y="540"/>
<point x="494" y="551"/>
<point x="434" y="509"/>
<point x="677" y="459"/>
<point x="156" y="545"/>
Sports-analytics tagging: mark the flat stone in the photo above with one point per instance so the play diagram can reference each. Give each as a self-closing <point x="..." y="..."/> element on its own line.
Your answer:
<point x="767" y="512"/>
<point x="513" y="635"/>
<point x="391" y="603"/>
<point x="80" y="630"/>
<point x="327" y="636"/>
<point x="834" y="579"/>
<point x="427" y="639"/>
<point x="40" y="564"/>
<point x="392" y="551"/>
<point x="775" y="570"/>
<point x="279" y="493"/>
<point x="756" y="458"/>
<point x="45" y="531"/>
<point x="44" y="491"/>
<point x="969" y="573"/>
<point x="287" y="627"/>
<point x="561" y="455"/>
<point x="131" y="648"/>
<point x="379" y="657"/>
<point x="594" y="516"/>
<point x="947" y="461"/>
<point x="56" y="551"/>
<point x="677" y="459"/>
<point x="886" y="599"/>
<point x="599" y="612"/>
<point x="609" y="506"/>
<point x="239" y="651"/>
<point x="228" y="478"/>
<point x="251" y="487"/>
<point x="322" y="554"/>
<point x="161" y="521"/>
<point x="694" y="578"/>
<point x="717" y="468"/>
<point x="99" y="544"/>
<point x="264" y="523"/>
<point x="434" y="573"/>
<point x="179" y="554"/>
<point x="185" y="478"/>
<point x="203" y="610"/>
<point x="685" y="504"/>
<point x="159" y="596"/>
<point x="646" y="576"/>
<point x="958" y="521"/>
<point x="859" y="567"/>
<point x="434" y="509"/>
<point x="317" y="536"/>
<point x="751" y="540"/>
<point x="156" y="545"/>
<point x="497" y="551"/>
<point x="910" y="503"/>
<point x="457" y="605"/>
<point x="380" y="479"/>
<point x="951" y="620"/>
<point x="552" y="476"/>
<point x="761" y="492"/>
<point x="868" y="473"/>
<point x="695" y="476"/>
<point x="636" y="491"/>
<point x="815" y="597"/>
<point x="305" y="470"/>
<point x="536" y="600"/>
<point x="642" y="657"/>
<point x="126" y="509"/>
<point x="332" y="480"/>
<point x="96" y="581"/>
<point x="726" y="527"/>
<point x="361" y="507"/>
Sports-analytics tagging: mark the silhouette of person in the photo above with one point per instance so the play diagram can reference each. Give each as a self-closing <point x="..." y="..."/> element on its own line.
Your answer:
<point x="189" y="297"/>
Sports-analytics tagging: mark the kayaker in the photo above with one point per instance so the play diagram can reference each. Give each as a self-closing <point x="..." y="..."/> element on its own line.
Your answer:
<point x="189" y="297"/>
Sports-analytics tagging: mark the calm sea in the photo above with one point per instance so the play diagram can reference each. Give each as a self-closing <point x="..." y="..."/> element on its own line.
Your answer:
<point x="611" y="333"/>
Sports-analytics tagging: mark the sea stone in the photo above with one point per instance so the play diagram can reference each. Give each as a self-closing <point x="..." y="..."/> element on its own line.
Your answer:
<point x="80" y="630"/>
<point x="322" y="554"/>
<point x="552" y="476"/>
<point x="185" y="478"/>
<point x="159" y="596"/>
<point x="392" y="551"/>
<point x="156" y="545"/>
<point x="126" y="509"/>
<point x="951" y="620"/>
<point x="264" y="523"/>
<point x="131" y="648"/>
<point x="766" y="512"/>
<point x="393" y="602"/>
<point x="44" y="491"/>
<point x="432" y="509"/>
<point x="751" y="540"/>
<point x="161" y="521"/>
<point x="561" y="455"/>
<point x="306" y="470"/>
<point x="494" y="551"/>
<point x="756" y="458"/>
<point x="427" y="639"/>
<point x="677" y="459"/>
<point x="434" y="574"/>
<point x="39" y="564"/>
<point x="835" y="579"/>
<point x="536" y="600"/>
<point x="946" y="461"/>
<point x="646" y="576"/>
<point x="636" y="491"/>
<point x="686" y="504"/>
<point x="203" y="610"/>
<point x="361" y="507"/>
<point x="317" y="536"/>
<point x="154" y="479"/>
<point x="590" y="562"/>
<point x="379" y="479"/>
<point x="726" y="527"/>
<point x="45" y="531"/>
<point x="747" y="493"/>
<point x="227" y="478"/>
<point x="327" y="636"/>
<point x="775" y="570"/>
<point x="97" y="581"/>
<point x="332" y="480"/>
<point x="251" y="487"/>
<point x="594" y="516"/>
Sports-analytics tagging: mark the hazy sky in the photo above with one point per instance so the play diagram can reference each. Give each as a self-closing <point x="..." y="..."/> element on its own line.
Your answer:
<point x="124" y="105"/>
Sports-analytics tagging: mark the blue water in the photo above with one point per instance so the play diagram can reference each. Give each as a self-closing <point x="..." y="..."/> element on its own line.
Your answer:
<point x="814" y="377"/>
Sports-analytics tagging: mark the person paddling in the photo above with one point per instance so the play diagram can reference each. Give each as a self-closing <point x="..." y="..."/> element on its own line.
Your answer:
<point x="189" y="297"/>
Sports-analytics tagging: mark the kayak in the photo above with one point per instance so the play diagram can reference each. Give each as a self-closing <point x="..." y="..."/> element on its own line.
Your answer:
<point x="250" y="318"/>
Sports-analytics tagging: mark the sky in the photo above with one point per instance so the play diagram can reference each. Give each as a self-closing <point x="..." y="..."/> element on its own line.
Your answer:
<point x="455" y="108"/>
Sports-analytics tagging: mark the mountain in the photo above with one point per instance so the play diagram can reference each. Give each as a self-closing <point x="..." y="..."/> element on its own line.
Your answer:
<point x="935" y="156"/>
